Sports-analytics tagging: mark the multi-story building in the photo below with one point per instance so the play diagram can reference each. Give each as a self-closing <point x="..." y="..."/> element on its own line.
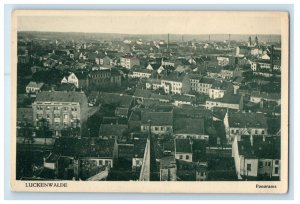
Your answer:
<point x="230" y="101"/>
<point x="219" y="88"/>
<point x="239" y="123"/>
<point x="34" y="87"/>
<point x="258" y="159"/>
<point x="176" y="84"/>
<point x="160" y="122"/>
<point x="104" y="78"/>
<point x="140" y="73"/>
<point x="200" y="84"/>
<point x="129" y="61"/>
<point x="60" y="109"/>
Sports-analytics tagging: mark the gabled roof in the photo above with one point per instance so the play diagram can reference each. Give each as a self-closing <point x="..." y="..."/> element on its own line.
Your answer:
<point x="112" y="130"/>
<point x="121" y="100"/>
<point x="157" y="118"/>
<point x="248" y="120"/>
<point x="188" y="126"/>
<point x="144" y="93"/>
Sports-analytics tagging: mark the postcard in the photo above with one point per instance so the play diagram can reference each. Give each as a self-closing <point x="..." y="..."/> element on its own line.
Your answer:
<point x="149" y="101"/>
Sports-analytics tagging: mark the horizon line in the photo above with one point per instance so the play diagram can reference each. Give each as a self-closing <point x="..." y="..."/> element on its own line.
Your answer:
<point x="146" y="33"/>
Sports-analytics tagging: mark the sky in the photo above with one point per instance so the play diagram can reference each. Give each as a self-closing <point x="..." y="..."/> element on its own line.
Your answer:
<point x="151" y="22"/>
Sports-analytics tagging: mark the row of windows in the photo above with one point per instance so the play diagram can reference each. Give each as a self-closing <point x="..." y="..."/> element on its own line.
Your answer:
<point x="267" y="163"/>
<point x="157" y="128"/>
<point x="48" y="116"/>
<point x="255" y="131"/>
<point x="56" y="108"/>
<point x="187" y="157"/>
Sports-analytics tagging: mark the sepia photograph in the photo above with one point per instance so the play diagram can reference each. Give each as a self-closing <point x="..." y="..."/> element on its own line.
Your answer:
<point x="149" y="101"/>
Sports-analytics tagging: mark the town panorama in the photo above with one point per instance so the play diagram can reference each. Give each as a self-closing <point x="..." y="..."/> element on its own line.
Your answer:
<point x="117" y="107"/>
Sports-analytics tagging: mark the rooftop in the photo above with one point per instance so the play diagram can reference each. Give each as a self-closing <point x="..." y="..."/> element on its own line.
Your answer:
<point x="249" y="120"/>
<point x="61" y="96"/>
<point x="188" y="126"/>
<point x="183" y="145"/>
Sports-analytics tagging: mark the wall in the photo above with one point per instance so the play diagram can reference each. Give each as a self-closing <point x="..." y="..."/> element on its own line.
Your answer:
<point x="184" y="155"/>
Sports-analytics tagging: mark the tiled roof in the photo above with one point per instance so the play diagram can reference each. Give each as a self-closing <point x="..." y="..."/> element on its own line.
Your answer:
<point x="61" y="96"/>
<point x="183" y="146"/>
<point x="142" y="93"/>
<point x="112" y="129"/>
<point x="248" y="120"/>
<point x="188" y="126"/>
<point x="157" y="118"/>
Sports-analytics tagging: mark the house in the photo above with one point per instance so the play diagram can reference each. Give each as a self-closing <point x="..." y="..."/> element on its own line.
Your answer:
<point x="183" y="150"/>
<point x="34" y="87"/>
<point x="60" y="109"/>
<point x="176" y="83"/>
<point x="218" y="89"/>
<point x="153" y="83"/>
<point x="243" y="51"/>
<point x="141" y="94"/>
<point x="121" y="103"/>
<point x="213" y="72"/>
<point x="239" y="123"/>
<point x="161" y="98"/>
<point x="129" y="61"/>
<point x="200" y="84"/>
<point x="265" y="64"/>
<point x="180" y="100"/>
<point x="140" y="73"/>
<point x="185" y="128"/>
<point x="160" y="122"/>
<point x="258" y="97"/>
<point x="104" y="78"/>
<point x="227" y="72"/>
<point x="259" y="159"/>
<point x="168" y="168"/>
<point x="112" y="131"/>
<point x="223" y="61"/>
<point x="90" y="154"/>
<point x="230" y="101"/>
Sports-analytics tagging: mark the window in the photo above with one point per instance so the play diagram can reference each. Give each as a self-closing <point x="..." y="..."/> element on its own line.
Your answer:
<point x="232" y="131"/>
<point x="260" y="164"/>
<point x="65" y="108"/>
<point x="237" y="131"/>
<point x="187" y="157"/>
<point x="276" y="162"/>
<point x="156" y="128"/>
<point x="48" y="115"/>
<point x="256" y="132"/>
<point x="106" y="162"/>
<point x="65" y="116"/>
<point x="248" y="167"/>
<point x="269" y="163"/>
<point x="276" y="170"/>
<point x="48" y="107"/>
<point x="180" y="156"/>
<point x="161" y="128"/>
<point x="262" y="132"/>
